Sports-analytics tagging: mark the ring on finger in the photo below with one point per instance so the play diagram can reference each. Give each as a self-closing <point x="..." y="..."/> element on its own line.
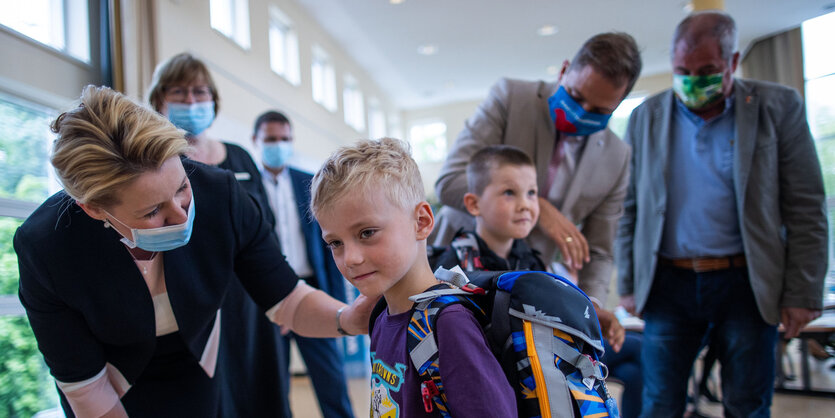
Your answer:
<point x="568" y="240"/>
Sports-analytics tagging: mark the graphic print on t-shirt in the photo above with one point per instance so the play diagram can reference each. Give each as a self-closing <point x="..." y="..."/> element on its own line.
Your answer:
<point x="385" y="380"/>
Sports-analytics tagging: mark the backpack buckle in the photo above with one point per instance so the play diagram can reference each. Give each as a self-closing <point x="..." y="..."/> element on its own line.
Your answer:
<point x="427" y="391"/>
<point x="470" y="288"/>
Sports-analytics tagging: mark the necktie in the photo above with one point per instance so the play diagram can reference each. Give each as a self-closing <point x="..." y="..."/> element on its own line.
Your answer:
<point x="556" y="159"/>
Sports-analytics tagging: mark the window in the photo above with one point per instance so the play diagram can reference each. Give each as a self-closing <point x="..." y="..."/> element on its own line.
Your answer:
<point x="323" y="79"/>
<point x="376" y="120"/>
<point x="231" y="18"/>
<point x="620" y="117"/>
<point x="819" y="73"/>
<point x="284" y="46"/>
<point x="428" y="140"/>
<point x="48" y="22"/>
<point x="395" y="128"/>
<point x="352" y="104"/>
<point x="25" y="384"/>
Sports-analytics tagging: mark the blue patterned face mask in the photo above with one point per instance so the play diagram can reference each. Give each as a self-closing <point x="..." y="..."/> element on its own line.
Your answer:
<point x="276" y="154"/>
<point x="193" y="118"/>
<point x="571" y="119"/>
<point x="159" y="239"/>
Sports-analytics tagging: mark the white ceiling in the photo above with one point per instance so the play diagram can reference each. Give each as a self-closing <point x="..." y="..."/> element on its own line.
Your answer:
<point x="479" y="41"/>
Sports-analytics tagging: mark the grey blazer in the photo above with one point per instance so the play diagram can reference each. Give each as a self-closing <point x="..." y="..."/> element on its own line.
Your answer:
<point x="779" y="194"/>
<point x="516" y="113"/>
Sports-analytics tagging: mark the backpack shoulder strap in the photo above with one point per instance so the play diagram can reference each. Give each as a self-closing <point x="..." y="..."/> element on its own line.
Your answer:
<point x="466" y="249"/>
<point x="378" y="309"/>
<point x="422" y="344"/>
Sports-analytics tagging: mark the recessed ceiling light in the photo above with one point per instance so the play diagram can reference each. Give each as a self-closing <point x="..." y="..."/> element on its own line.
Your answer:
<point x="552" y="69"/>
<point x="396" y="1"/>
<point x="427" y="49"/>
<point x="547" y="30"/>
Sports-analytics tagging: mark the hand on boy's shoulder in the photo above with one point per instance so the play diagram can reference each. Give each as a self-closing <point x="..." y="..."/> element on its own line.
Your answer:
<point x="570" y="241"/>
<point x="355" y="319"/>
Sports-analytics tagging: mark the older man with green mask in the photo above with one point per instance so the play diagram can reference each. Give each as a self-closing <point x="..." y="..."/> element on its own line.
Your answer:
<point x="724" y="228"/>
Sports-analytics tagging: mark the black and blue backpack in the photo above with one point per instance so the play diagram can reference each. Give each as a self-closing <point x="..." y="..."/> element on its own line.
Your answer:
<point x="542" y="329"/>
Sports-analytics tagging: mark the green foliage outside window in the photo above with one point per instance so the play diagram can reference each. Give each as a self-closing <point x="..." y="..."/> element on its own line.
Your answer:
<point x="23" y="152"/>
<point x="25" y="384"/>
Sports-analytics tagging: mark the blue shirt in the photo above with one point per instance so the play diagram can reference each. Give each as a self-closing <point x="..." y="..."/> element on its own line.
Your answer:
<point x="701" y="217"/>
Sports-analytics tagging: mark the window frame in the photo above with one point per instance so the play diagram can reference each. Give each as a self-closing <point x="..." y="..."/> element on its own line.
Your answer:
<point x="287" y="53"/>
<point x="240" y="28"/>
<point x="377" y="123"/>
<point x="353" y="103"/>
<point x="323" y="79"/>
<point x="71" y="12"/>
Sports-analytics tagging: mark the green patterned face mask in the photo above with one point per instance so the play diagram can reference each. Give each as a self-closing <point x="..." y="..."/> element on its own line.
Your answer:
<point x="697" y="91"/>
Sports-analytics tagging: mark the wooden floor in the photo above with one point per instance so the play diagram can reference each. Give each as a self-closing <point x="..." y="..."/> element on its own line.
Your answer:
<point x="303" y="400"/>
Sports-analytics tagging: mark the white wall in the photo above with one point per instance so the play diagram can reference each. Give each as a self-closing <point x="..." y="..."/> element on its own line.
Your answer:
<point x="246" y="84"/>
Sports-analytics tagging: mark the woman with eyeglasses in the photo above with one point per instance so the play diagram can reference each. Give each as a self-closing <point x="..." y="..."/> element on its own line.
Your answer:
<point x="124" y="273"/>
<point x="183" y="90"/>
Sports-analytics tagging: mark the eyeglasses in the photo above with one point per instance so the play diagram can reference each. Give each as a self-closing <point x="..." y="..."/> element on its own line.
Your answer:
<point x="179" y="94"/>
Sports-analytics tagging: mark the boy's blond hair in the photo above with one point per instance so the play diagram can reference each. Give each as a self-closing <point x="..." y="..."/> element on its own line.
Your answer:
<point x="385" y="164"/>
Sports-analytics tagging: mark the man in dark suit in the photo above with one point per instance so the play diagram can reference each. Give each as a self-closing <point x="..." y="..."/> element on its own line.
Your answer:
<point x="288" y="190"/>
<point x="724" y="226"/>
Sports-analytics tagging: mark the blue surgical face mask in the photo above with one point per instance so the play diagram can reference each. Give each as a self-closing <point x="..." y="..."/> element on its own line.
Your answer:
<point x="159" y="239"/>
<point x="571" y="119"/>
<point x="194" y="118"/>
<point x="276" y="154"/>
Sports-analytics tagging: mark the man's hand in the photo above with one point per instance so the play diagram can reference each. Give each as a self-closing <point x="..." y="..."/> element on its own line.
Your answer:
<point x="628" y="303"/>
<point x="794" y="319"/>
<point x="612" y="330"/>
<point x="572" y="243"/>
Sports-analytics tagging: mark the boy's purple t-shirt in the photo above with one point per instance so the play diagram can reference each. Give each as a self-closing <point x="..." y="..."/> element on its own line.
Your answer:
<point x="474" y="382"/>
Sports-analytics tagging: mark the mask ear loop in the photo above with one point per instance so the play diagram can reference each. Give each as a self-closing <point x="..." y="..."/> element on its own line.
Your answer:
<point x="124" y="240"/>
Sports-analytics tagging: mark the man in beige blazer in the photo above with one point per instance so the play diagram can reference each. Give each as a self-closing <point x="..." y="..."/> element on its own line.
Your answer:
<point x="582" y="182"/>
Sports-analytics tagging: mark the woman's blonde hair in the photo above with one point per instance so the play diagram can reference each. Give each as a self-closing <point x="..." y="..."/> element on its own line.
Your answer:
<point x="384" y="164"/>
<point x="181" y="69"/>
<point x="107" y="142"/>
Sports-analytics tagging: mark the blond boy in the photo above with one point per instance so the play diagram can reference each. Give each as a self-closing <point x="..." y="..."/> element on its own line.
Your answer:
<point x="368" y="199"/>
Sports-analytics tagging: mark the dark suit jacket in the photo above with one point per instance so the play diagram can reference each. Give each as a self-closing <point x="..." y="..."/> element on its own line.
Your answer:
<point x="328" y="277"/>
<point x="779" y="197"/>
<point x="246" y="172"/>
<point x="88" y="303"/>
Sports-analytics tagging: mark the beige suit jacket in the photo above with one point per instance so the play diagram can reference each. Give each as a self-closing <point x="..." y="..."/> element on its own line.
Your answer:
<point x="516" y="113"/>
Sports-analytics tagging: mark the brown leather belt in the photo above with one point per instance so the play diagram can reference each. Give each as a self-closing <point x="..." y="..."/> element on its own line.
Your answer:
<point x="705" y="264"/>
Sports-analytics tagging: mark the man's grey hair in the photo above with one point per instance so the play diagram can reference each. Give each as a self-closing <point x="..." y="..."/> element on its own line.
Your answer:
<point x="712" y="24"/>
